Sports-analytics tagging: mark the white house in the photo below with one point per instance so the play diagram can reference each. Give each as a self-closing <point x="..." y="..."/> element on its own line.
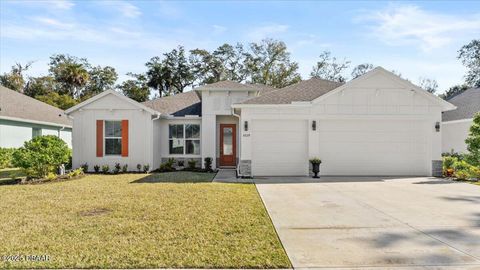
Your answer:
<point x="23" y="117"/>
<point x="456" y="124"/>
<point x="377" y="124"/>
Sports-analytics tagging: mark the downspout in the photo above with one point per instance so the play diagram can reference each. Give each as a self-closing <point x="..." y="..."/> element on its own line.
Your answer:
<point x="157" y="116"/>
<point x="240" y="140"/>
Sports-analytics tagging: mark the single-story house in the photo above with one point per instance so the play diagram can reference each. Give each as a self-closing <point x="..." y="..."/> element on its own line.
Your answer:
<point x="376" y="124"/>
<point x="23" y="118"/>
<point x="456" y="124"/>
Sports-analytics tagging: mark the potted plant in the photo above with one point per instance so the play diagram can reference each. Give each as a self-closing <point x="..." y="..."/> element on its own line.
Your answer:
<point x="315" y="166"/>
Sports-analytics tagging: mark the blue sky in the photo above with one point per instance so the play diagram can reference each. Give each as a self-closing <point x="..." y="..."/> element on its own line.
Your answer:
<point x="418" y="39"/>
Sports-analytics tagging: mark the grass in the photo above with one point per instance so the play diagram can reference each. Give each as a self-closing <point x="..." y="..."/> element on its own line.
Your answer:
<point x="138" y="221"/>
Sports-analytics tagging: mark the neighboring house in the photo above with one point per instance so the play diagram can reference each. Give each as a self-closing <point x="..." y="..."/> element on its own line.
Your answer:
<point x="377" y="124"/>
<point x="456" y="124"/>
<point x="23" y="118"/>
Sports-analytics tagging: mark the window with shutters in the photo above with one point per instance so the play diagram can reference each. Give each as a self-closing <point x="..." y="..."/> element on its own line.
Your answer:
<point x="113" y="138"/>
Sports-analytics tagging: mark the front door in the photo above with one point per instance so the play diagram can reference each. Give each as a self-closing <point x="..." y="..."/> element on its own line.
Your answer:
<point x="227" y="144"/>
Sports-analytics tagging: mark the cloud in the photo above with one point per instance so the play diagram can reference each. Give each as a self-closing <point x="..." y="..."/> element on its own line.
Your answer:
<point x="51" y="4"/>
<point x="126" y="9"/>
<point x="272" y="30"/>
<point x="53" y="22"/>
<point x="410" y="24"/>
<point x="218" y="29"/>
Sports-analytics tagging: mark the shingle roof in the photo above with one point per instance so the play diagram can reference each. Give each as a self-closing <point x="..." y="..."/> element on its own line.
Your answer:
<point x="307" y="90"/>
<point x="182" y="104"/>
<point x="17" y="105"/>
<point x="468" y="103"/>
<point x="226" y="85"/>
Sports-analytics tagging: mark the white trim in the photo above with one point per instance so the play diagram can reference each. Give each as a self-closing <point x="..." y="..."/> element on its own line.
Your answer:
<point x="186" y="117"/>
<point x="458" y="121"/>
<point x="302" y="104"/>
<point x="34" y="121"/>
<point x="110" y="92"/>
<point x="446" y="106"/>
<point x="105" y="138"/>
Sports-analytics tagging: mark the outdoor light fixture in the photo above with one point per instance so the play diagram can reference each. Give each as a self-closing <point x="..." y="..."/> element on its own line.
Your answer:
<point x="437" y="126"/>
<point x="245" y="126"/>
<point x="314" y="125"/>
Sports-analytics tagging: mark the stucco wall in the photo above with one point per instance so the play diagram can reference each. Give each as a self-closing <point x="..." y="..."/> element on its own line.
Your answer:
<point x="13" y="133"/>
<point x="454" y="134"/>
<point x="112" y="108"/>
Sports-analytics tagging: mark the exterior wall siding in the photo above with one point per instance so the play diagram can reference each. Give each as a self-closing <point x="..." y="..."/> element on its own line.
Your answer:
<point x="14" y="133"/>
<point x="140" y="133"/>
<point x="454" y="134"/>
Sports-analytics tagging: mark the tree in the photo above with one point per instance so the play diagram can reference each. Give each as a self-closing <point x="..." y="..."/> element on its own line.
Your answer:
<point x="170" y="75"/>
<point x="268" y="62"/>
<point x="15" y="78"/>
<point x="41" y="155"/>
<point x="453" y="91"/>
<point x="328" y="68"/>
<point x="40" y="86"/>
<point x="71" y="72"/>
<point x="233" y="61"/>
<point x="100" y="79"/>
<point x="473" y="141"/>
<point x="428" y="85"/>
<point x="470" y="57"/>
<point x="206" y="68"/>
<point x="62" y="101"/>
<point x="361" y="69"/>
<point x="136" y="89"/>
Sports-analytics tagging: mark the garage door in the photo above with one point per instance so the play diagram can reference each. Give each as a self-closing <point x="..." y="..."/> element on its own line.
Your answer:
<point x="373" y="147"/>
<point x="279" y="147"/>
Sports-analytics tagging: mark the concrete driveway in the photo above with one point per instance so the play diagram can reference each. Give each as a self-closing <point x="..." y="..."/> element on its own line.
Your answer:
<point x="374" y="222"/>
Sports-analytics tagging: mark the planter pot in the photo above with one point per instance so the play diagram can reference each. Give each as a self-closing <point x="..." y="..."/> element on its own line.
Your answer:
<point x="316" y="169"/>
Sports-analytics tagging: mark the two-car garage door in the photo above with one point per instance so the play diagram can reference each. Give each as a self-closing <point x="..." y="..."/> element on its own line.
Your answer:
<point x="346" y="147"/>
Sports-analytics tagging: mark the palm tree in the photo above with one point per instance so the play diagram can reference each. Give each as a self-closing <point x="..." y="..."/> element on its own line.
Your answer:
<point x="74" y="76"/>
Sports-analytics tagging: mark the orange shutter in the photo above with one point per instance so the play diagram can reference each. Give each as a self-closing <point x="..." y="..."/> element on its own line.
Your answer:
<point x="124" y="138"/>
<point x="99" y="138"/>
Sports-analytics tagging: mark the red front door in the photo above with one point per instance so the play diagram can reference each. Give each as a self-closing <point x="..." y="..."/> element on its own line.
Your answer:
<point x="228" y="145"/>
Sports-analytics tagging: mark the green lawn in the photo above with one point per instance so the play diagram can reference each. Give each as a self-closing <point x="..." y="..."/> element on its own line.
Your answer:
<point x="138" y="221"/>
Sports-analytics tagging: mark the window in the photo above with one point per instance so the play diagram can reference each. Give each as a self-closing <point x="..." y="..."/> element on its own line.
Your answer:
<point x="36" y="132"/>
<point x="113" y="137"/>
<point x="184" y="139"/>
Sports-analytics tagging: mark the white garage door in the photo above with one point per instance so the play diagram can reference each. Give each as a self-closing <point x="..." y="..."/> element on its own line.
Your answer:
<point x="374" y="147"/>
<point x="279" y="147"/>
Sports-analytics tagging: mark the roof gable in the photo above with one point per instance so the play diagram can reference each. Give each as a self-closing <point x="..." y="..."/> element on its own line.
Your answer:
<point x="407" y="85"/>
<point x="17" y="106"/>
<point x="92" y="100"/>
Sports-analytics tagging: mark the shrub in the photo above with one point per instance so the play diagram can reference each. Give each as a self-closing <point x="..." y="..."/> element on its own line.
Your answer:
<point x="75" y="173"/>
<point x="41" y="155"/>
<point x="84" y="167"/>
<point x="139" y="167"/>
<point x="315" y="160"/>
<point x="208" y="164"/>
<point x="180" y="163"/>
<point x="463" y="170"/>
<point x="474" y="172"/>
<point x="167" y="166"/>
<point x="6" y="155"/>
<point x="125" y="168"/>
<point x="146" y="168"/>
<point x="105" y="169"/>
<point x="448" y="163"/>
<point x="51" y="176"/>
<point x="473" y="141"/>
<point x="117" y="168"/>
<point x="96" y="168"/>
<point x="192" y="164"/>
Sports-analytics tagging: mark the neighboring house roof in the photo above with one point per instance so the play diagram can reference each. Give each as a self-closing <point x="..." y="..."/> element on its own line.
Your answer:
<point x="182" y="104"/>
<point x="110" y="92"/>
<point x="17" y="106"/>
<point x="468" y="103"/>
<point x="307" y="90"/>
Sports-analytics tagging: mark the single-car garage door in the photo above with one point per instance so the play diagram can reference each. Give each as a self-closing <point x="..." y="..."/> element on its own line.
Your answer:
<point x="374" y="147"/>
<point x="279" y="147"/>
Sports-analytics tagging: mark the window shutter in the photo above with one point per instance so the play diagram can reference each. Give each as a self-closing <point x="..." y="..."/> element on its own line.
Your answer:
<point x="99" y="138"/>
<point x="124" y="138"/>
